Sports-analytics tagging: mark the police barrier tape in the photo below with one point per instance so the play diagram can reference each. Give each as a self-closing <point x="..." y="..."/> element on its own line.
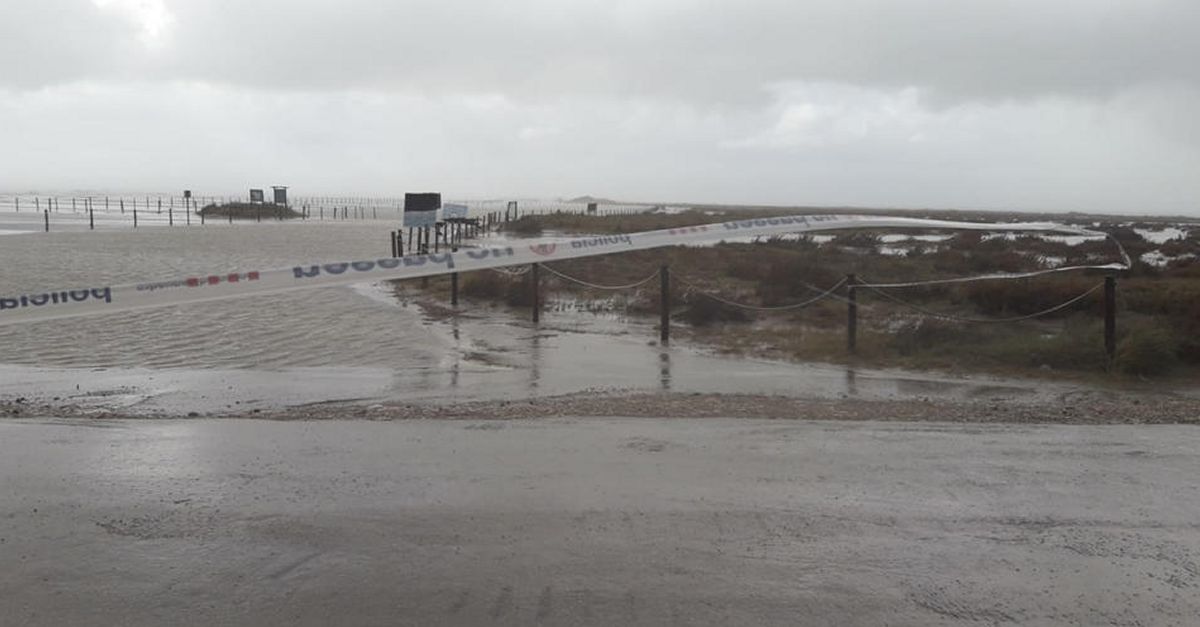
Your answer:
<point x="63" y="303"/>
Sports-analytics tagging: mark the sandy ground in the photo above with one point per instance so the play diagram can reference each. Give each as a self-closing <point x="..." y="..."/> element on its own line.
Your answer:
<point x="1079" y="406"/>
<point x="597" y="521"/>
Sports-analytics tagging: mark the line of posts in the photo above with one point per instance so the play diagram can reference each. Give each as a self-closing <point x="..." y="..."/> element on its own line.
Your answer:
<point x="89" y="207"/>
<point x="535" y="298"/>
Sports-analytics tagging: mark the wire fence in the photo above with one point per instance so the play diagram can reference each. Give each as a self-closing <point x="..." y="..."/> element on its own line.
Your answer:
<point x="831" y="293"/>
<point x="956" y="318"/>
<point x="822" y="295"/>
<point x="597" y="286"/>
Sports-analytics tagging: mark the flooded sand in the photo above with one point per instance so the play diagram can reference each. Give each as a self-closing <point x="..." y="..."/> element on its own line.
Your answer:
<point x="359" y="343"/>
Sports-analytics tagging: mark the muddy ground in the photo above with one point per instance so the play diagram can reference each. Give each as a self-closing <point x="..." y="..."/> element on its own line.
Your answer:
<point x="1073" y="407"/>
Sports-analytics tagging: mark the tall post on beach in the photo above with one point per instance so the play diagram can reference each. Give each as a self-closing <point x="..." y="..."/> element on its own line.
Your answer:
<point x="135" y="216"/>
<point x="46" y="216"/>
<point x="664" y="305"/>
<point x="91" y="219"/>
<point x="1110" y="316"/>
<point x="534" y="287"/>
<point x="851" y="313"/>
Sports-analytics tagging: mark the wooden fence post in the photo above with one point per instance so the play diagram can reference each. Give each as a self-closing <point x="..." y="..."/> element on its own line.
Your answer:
<point x="851" y="314"/>
<point x="46" y="215"/>
<point x="664" y="304"/>
<point x="1110" y="316"/>
<point x="534" y="286"/>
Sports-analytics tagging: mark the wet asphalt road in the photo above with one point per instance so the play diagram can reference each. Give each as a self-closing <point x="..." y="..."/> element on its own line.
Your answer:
<point x="618" y="522"/>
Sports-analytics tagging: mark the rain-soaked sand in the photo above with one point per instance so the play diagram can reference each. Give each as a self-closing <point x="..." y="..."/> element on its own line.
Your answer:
<point x="367" y="346"/>
<point x="597" y="521"/>
<point x="354" y="343"/>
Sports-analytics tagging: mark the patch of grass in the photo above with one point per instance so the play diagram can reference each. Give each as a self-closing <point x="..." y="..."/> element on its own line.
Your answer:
<point x="1030" y="296"/>
<point x="527" y="226"/>
<point x="247" y="211"/>
<point x="484" y="285"/>
<point x="1147" y="349"/>
<point x="704" y="311"/>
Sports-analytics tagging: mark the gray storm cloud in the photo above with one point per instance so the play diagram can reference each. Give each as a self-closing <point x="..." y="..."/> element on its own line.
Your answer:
<point x="1039" y="104"/>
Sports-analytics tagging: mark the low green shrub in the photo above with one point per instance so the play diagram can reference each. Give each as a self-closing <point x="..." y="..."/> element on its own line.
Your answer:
<point x="484" y="285"/>
<point x="527" y="226"/>
<point x="518" y="292"/>
<point x="1147" y="349"/>
<point x="703" y="311"/>
<point x="1020" y="298"/>
<point x="928" y="334"/>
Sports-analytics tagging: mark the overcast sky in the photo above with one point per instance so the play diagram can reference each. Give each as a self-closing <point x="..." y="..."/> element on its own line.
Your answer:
<point x="1029" y="104"/>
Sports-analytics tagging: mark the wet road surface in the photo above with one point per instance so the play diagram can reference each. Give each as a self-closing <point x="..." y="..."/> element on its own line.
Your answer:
<point x="598" y="521"/>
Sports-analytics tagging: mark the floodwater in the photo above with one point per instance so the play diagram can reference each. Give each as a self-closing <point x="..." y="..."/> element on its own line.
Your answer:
<point x="361" y="342"/>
